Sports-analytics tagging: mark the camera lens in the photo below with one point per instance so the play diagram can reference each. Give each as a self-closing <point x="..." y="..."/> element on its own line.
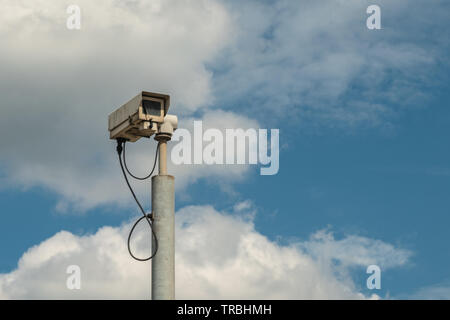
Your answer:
<point x="152" y="107"/>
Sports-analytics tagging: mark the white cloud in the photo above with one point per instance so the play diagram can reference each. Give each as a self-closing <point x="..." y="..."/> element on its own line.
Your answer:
<point x="355" y="250"/>
<point x="316" y="60"/>
<point x="218" y="256"/>
<point x="93" y="177"/>
<point x="58" y="86"/>
<point x="221" y="120"/>
<point x="242" y="206"/>
<point x="293" y="58"/>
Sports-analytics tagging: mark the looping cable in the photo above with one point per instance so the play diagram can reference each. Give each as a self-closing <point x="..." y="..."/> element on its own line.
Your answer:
<point x="128" y="171"/>
<point x="148" y="217"/>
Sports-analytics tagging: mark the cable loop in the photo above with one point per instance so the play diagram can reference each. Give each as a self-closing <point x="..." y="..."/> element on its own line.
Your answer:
<point x="147" y="217"/>
<point x="132" y="175"/>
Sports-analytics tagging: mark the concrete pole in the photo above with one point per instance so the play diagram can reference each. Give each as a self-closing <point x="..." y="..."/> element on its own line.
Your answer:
<point x="163" y="208"/>
<point x="163" y="157"/>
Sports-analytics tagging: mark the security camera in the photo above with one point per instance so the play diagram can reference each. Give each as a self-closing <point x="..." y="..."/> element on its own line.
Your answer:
<point x="139" y="117"/>
<point x="169" y="125"/>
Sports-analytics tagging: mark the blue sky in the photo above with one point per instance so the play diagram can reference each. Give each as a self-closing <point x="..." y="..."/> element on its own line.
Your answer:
<point x="363" y="115"/>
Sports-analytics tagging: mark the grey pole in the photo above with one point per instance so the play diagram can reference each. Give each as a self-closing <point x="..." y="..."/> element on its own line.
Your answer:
<point x="163" y="209"/>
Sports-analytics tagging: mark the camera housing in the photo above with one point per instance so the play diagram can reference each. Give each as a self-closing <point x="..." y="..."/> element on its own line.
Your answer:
<point x="139" y="117"/>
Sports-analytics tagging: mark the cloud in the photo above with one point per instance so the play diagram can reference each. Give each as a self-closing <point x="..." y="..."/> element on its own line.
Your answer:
<point x="355" y="250"/>
<point x="310" y="61"/>
<point x="316" y="62"/>
<point x="218" y="256"/>
<point x="58" y="86"/>
<point x="93" y="177"/>
<point x="228" y="174"/>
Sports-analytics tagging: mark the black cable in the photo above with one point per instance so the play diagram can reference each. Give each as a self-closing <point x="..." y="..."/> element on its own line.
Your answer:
<point x="126" y="167"/>
<point x="120" y="148"/>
